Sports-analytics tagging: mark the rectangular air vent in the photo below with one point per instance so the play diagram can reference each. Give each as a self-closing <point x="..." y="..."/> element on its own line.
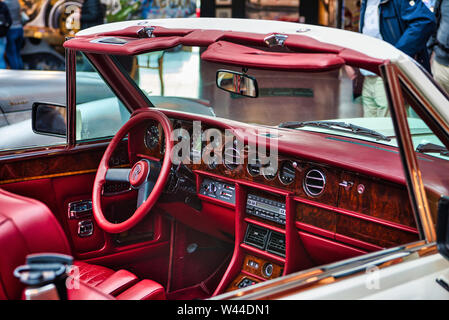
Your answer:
<point x="256" y="236"/>
<point x="276" y="244"/>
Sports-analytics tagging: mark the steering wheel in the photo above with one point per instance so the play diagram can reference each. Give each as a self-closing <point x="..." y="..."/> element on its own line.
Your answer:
<point x="148" y="177"/>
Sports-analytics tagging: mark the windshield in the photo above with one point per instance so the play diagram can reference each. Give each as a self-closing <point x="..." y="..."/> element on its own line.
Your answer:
<point x="344" y="102"/>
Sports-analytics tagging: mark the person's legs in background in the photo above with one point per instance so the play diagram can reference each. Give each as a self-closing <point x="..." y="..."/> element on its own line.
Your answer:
<point x="441" y="74"/>
<point x="374" y="98"/>
<point x="13" y="46"/>
<point x="2" y="52"/>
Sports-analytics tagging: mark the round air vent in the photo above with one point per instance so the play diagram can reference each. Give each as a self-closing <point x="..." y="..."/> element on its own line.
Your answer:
<point x="287" y="174"/>
<point x="231" y="157"/>
<point x="314" y="182"/>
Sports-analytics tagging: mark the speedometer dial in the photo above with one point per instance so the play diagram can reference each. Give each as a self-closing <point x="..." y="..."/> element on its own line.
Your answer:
<point x="151" y="138"/>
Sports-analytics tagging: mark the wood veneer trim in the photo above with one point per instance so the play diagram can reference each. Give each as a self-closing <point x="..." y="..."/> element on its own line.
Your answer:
<point x="358" y="215"/>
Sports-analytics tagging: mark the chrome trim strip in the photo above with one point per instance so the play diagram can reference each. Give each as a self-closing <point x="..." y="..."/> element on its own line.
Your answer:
<point x="415" y="185"/>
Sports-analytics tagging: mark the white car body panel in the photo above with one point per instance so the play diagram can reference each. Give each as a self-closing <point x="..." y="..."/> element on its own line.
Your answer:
<point x="411" y="280"/>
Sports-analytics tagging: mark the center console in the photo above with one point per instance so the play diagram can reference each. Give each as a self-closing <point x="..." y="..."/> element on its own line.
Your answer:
<point x="260" y="217"/>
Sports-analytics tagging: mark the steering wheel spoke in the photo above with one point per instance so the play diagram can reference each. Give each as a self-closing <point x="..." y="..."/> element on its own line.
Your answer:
<point x="146" y="187"/>
<point x="117" y="175"/>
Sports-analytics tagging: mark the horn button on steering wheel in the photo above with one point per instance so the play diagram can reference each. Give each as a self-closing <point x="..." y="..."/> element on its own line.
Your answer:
<point x="139" y="173"/>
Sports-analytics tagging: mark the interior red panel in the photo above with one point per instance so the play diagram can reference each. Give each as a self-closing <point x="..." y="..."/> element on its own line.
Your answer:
<point x="191" y="268"/>
<point x="212" y="219"/>
<point x="70" y="189"/>
<point x="234" y="54"/>
<point x="323" y="251"/>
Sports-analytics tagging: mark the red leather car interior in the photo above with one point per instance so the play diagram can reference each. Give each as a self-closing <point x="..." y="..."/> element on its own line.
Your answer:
<point x="117" y="282"/>
<point x="28" y="226"/>
<point x="86" y="292"/>
<point x="144" y="290"/>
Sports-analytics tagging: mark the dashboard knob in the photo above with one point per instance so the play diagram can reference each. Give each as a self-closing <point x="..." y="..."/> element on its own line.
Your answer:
<point x="268" y="270"/>
<point x="212" y="188"/>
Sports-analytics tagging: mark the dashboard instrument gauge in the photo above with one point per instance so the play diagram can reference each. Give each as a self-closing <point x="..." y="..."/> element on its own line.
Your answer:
<point x="231" y="157"/>
<point x="287" y="173"/>
<point x="269" y="172"/>
<point x="253" y="166"/>
<point x="151" y="138"/>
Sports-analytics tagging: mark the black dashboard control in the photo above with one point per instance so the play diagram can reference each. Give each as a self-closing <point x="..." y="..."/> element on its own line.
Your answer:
<point x="246" y="283"/>
<point x="265" y="239"/>
<point x="265" y="208"/>
<point x="80" y="209"/>
<point x="113" y="188"/>
<point x="218" y="190"/>
<point x="256" y="236"/>
<point x="276" y="244"/>
<point x="85" y="228"/>
<point x="267" y="270"/>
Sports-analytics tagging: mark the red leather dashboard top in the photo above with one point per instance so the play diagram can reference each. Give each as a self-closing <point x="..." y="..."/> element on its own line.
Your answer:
<point x="372" y="159"/>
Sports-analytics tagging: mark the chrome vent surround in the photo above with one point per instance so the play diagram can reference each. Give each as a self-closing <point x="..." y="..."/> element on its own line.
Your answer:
<point x="231" y="158"/>
<point x="314" y="182"/>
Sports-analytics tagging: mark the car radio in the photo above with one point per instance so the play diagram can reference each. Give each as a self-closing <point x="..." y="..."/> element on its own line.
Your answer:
<point x="265" y="208"/>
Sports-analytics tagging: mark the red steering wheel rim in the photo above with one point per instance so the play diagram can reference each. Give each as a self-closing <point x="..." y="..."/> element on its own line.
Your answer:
<point x="103" y="167"/>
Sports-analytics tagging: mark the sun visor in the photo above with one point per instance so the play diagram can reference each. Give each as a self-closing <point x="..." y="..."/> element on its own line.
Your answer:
<point x="238" y="55"/>
<point x="121" y="45"/>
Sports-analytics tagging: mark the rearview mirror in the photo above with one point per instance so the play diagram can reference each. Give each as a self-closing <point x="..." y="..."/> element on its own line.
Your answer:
<point x="238" y="83"/>
<point x="49" y="119"/>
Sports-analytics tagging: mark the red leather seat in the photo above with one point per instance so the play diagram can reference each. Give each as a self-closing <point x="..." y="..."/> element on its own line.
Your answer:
<point x="28" y="226"/>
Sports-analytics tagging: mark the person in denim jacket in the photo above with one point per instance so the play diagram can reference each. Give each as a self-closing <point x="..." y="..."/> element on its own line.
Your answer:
<point x="407" y="25"/>
<point x="439" y="44"/>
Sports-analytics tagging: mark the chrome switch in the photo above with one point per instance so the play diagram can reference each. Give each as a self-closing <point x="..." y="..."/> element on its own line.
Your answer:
<point x="85" y="228"/>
